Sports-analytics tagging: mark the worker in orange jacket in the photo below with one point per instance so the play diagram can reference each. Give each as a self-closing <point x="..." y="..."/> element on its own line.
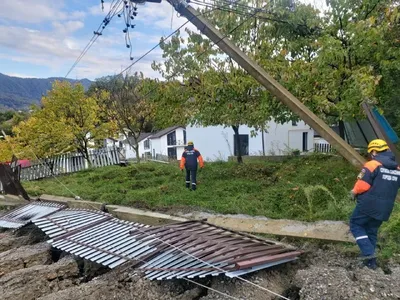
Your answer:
<point x="189" y="162"/>
<point x="375" y="190"/>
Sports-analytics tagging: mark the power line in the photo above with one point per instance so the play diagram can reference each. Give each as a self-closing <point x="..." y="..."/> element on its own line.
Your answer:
<point x="177" y="248"/>
<point x="97" y="33"/>
<point x="210" y="264"/>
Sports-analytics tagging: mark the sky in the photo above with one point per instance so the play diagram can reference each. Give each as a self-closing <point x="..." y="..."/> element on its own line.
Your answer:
<point x="43" y="38"/>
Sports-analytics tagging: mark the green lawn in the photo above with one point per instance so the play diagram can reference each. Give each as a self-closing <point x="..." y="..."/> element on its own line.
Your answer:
<point x="308" y="188"/>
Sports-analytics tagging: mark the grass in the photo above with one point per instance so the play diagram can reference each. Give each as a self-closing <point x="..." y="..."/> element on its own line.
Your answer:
<point x="303" y="188"/>
<point x="308" y="188"/>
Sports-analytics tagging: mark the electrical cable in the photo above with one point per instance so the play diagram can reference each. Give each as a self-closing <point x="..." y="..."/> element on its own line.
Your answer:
<point x="96" y="34"/>
<point x="177" y="248"/>
<point x="211" y="265"/>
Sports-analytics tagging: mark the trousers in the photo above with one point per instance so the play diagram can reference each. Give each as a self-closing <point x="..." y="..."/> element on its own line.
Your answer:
<point x="365" y="230"/>
<point x="191" y="179"/>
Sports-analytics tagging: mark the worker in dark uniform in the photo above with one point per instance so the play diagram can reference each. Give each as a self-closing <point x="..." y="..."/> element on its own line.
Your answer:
<point x="375" y="190"/>
<point x="189" y="162"/>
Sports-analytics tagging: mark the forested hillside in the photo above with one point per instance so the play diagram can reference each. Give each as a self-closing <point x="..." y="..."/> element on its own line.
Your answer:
<point x="19" y="93"/>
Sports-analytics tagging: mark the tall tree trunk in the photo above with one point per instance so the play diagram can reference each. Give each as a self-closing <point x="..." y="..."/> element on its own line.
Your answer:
<point x="136" y="148"/>
<point x="237" y="144"/>
<point x="262" y="139"/>
<point x="342" y="130"/>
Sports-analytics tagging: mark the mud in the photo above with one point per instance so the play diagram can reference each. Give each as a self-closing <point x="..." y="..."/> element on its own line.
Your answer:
<point x="126" y="285"/>
<point x="24" y="257"/>
<point x="36" y="281"/>
<point x="323" y="272"/>
<point x="8" y="241"/>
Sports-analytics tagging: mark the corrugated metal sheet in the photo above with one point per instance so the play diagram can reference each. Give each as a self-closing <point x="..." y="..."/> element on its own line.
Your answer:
<point x="93" y="235"/>
<point x="69" y="220"/>
<point x="186" y="249"/>
<point x="23" y="215"/>
<point x="197" y="249"/>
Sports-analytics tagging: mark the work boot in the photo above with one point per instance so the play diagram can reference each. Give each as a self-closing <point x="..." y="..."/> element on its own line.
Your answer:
<point x="368" y="261"/>
<point x="371" y="264"/>
<point x="188" y="185"/>
<point x="193" y="187"/>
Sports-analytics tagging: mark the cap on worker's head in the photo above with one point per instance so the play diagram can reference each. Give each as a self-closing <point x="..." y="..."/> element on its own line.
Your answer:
<point x="377" y="145"/>
<point x="190" y="143"/>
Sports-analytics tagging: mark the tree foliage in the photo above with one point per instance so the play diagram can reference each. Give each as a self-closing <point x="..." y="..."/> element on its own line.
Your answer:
<point x="332" y="62"/>
<point x="126" y="105"/>
<point x="67" y="120"/>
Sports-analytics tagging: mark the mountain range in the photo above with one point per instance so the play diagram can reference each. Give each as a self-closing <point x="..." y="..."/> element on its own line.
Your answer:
<point x="19" y="93"/>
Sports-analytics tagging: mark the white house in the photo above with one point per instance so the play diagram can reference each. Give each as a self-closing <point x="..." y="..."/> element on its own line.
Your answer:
<point x="128" y="150"/>
<point x="217" y="142"/>
<point x="169" y="142"/>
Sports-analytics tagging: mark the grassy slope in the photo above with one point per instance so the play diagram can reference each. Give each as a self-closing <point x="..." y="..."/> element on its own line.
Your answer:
<point x="308" y="188"/>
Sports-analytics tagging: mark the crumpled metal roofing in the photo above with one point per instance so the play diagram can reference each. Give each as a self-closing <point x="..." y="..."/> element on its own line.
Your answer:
<point x="68" y="220"/>
<point x="21" y="216"/>
<point x="198" y="249"/>
<point x="92" y="235"/>
<point x="181" y="250"/>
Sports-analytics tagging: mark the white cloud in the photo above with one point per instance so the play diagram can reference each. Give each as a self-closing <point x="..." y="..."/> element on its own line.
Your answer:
<point x="98" y="11"/>
<point x="36" y="11"/>
<point x="67" y="27"/>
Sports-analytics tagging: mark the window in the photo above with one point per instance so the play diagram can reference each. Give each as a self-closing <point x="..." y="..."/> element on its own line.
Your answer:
<point x="172" y="153"/>
<point x="171" y="139"/>
<point x="294" y="123"/>
<point x="305" y="141"/>
<point x="184" y="137"/>
<point x="243" y="144"/>
<point x="147" y="144"/>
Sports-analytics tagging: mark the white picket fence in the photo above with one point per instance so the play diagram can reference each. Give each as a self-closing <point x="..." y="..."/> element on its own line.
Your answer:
<point x="322" y="148"/>
<point x="70" y="163"/>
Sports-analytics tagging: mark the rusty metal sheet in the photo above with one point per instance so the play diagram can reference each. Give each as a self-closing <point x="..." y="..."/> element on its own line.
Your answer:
<point x="198" y="249"/>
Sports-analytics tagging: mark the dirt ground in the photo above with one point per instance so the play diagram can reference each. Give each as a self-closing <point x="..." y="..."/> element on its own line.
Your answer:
<point x="37" y="272"/>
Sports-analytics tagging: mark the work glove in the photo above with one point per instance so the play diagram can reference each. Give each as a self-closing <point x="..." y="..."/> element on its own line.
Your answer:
<point x="352" y="195"/>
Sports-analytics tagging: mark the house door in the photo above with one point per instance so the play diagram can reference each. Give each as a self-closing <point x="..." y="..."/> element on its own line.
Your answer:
<point x="305" y="141"/>
<point x="243" y="144"/>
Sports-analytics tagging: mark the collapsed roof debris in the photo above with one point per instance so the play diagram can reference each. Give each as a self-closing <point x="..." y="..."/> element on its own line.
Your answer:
<point x="21" y="216"/>
<point x="198" y="249"/>
<point x="181" y="250"/>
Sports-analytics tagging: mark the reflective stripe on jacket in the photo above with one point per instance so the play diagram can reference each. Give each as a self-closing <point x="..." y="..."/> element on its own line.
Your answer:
<point x="190" y="157"/>
<point x="377" y="186"/>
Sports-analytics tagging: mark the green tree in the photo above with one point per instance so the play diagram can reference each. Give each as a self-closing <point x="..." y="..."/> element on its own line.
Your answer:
<point x="67" y="120"/>
<point x="218" y="91"/>
<point x="126" y="105"/>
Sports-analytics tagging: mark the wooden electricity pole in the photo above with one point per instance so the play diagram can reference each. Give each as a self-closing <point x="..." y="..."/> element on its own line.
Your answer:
<point x="274" y="87"/>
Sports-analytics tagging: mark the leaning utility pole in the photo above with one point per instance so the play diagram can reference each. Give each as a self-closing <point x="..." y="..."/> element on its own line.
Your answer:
<point x="268" y="82"/>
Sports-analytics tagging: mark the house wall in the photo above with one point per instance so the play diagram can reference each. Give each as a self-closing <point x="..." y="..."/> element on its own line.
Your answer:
<point x="156" y="147"/>
<point x="281" y="139"/>
<point x="160" y="145"/>
<point x="130" y="153"/>
<point x="217" y="142"/>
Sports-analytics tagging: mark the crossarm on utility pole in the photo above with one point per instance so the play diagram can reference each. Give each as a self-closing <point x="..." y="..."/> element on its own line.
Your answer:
<point x="268" y="82"/>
